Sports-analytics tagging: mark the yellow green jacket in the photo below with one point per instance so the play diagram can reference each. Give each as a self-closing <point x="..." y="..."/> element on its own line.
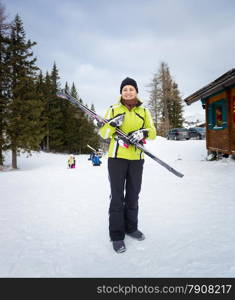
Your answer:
<point x="137" y="118"/>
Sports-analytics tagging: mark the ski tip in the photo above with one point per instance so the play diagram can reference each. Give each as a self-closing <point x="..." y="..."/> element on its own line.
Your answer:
<point x="176" y="173"/>
<point x="180" y="175"/>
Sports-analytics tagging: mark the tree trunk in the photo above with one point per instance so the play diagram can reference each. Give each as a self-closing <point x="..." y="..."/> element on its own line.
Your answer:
<point x="48" y="144"/>
<point x="48" y="140"/>
<point x="1" y="143"/>
<point x="14" y="158"/>
<point x="1" y="154"/>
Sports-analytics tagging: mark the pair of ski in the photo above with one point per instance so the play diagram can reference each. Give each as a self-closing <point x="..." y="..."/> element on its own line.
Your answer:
<point x="119" y="133"/>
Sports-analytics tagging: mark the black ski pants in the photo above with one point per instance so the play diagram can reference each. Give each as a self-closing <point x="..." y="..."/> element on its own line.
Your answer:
<point x="125" y="178"/>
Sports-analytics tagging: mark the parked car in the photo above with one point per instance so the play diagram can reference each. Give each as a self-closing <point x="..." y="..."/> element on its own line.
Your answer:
<point x="178" y="134"/>
<point x="197" y="133"/>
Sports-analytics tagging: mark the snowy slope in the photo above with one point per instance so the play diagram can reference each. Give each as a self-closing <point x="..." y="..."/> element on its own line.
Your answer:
<point x="54" y="220"/>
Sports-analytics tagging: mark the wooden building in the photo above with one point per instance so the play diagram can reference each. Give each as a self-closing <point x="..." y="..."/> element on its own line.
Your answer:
<point x="218" y="100"/>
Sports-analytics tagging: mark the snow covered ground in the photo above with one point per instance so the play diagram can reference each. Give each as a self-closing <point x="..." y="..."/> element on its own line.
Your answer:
<point x="54" y="220"/>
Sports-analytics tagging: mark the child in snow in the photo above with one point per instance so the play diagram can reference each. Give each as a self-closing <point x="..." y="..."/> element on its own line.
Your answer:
<point x="74" y="162"/>
<point x="71" y="162"/>
<point x="96" y="160"/>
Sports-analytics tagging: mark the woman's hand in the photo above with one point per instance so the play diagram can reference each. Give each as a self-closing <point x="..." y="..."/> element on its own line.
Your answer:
<point x="117" y="121"/>
<point x="138" y="135"/>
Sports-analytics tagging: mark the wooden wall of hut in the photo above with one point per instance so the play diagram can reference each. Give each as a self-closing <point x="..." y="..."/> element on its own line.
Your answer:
<point x="220" y="120"/>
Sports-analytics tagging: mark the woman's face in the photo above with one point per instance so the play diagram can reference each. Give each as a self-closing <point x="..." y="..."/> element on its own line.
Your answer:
<point x="129" y="93"/>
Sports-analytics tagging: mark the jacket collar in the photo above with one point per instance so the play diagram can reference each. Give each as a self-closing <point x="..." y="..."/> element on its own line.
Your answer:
<point x="139" y="102"/>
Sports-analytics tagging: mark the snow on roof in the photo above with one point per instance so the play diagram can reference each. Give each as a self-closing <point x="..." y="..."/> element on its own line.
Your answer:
<point x="222" y="82"/>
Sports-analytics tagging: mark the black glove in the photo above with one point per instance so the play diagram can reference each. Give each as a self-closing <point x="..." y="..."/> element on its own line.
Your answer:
<point x="117" y="121"/>
<point x="138" y="135"/>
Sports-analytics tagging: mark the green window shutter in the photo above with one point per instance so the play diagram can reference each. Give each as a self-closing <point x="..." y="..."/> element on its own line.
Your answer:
<point x="223" y="106"/>
<point x="210" y="116"/>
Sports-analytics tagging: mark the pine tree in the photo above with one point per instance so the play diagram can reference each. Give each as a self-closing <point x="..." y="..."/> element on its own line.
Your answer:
<point x="40" y="88"/>
<point x="74" y="92"/>
<point x="176" y="108"/>
<point x="56" y="117"/>
<point x="87" y="133"/>
<point x="154" y="102"/>
<point x="4" y="80"/>
<point x="46" y="88"/>
<point x="66" y="88"/>
<point x="92" y="107"/>
<point x="24" y="108"/>
<point x="68" y="128"/>
<point x="71" y="125"/>
<point x="85" y="130"/>
<point x="165" y="79"/>
<point x="165" y="102"/>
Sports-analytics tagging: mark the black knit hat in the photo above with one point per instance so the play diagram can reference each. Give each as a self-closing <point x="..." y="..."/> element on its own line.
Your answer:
<point x="128" y="81"/>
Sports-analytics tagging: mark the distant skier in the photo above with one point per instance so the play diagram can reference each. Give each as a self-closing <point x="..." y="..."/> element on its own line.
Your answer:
<point x="96" y="160"/>
<point x="125" y="162"/>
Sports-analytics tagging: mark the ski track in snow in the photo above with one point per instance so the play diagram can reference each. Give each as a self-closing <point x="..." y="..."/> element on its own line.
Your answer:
<point x="54" y="220"/>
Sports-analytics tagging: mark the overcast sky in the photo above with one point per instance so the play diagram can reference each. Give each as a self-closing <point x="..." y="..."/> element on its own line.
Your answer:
<point x="97" y="43"/>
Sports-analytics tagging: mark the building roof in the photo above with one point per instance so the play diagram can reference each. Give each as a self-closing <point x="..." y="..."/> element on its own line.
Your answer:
<point x="222" y="82"/>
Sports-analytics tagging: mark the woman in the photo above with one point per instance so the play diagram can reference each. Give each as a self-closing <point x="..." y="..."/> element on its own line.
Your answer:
<point x="125" y="162"/>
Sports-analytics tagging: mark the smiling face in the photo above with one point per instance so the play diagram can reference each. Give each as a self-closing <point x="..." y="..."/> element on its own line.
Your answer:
<point x="128" y="93"/>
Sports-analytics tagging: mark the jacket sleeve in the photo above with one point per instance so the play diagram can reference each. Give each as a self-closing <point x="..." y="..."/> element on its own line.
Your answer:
<point x="150" y="126"/>
<point x="107" y="130"/>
